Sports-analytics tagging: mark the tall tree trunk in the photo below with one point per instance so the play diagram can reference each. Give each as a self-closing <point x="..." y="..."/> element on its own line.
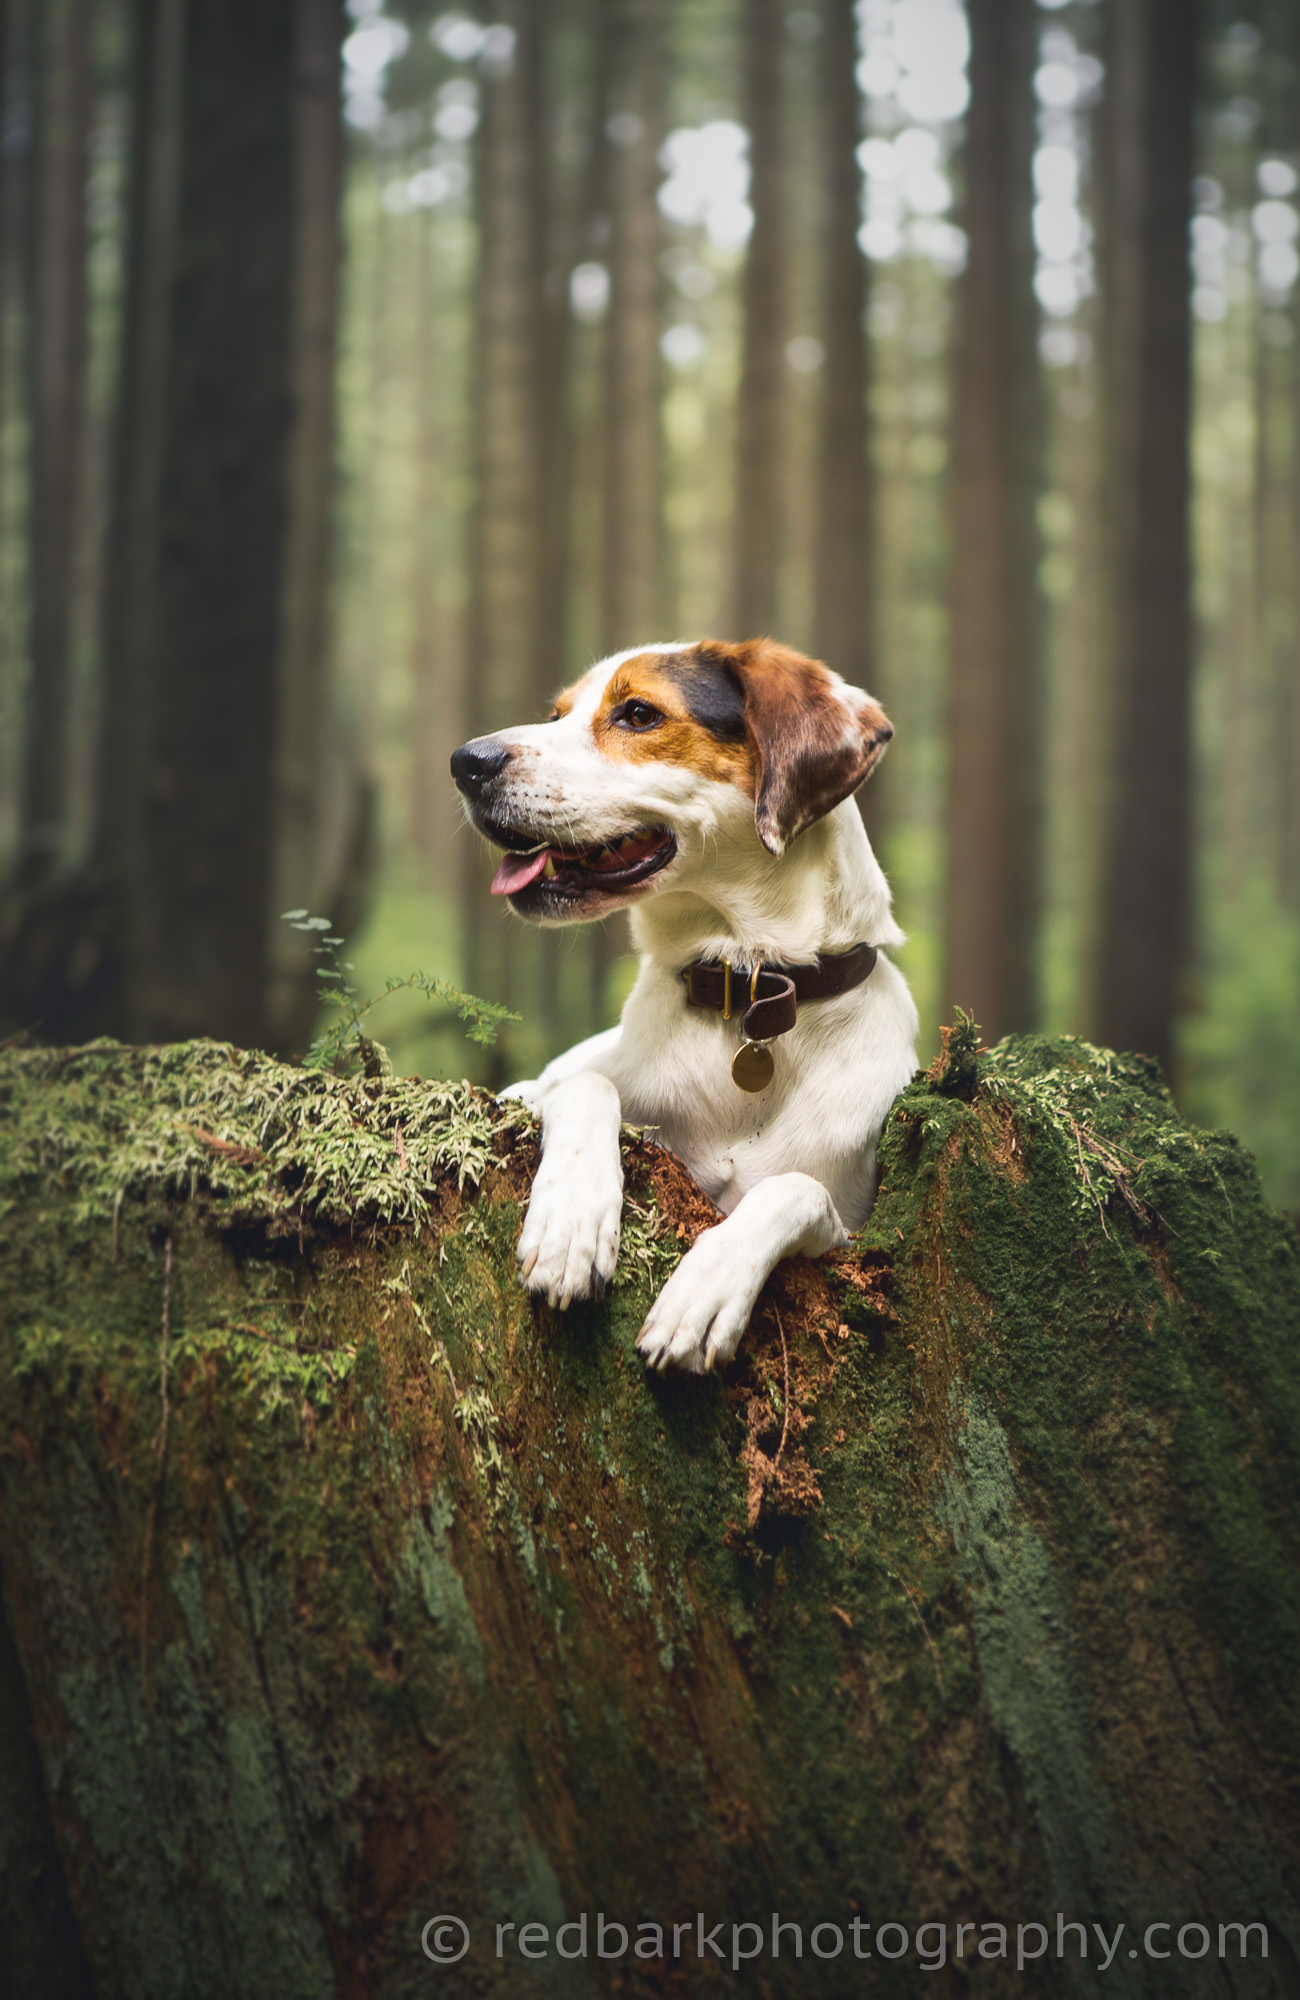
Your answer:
<point x="216" y="542"/>
<point x="436" y="666"/>
<point x="224" y="503"/>
<point x="994" y="702"/>
<point x="842" y="571"/>
<point x="214" y="637"/>
<point x="505" y="533"/>
<point x="632" y="556"/>
<point x="17" y="34"/>
<point x="559" y="1014"/>
<point x="761" y="416"/>
<point x="1287" y="745"/>
<point x="312" y="816"/>
<point x="135" y="526"/>
<point x="1281" y="25"/>
<point x="201" y="636"/>
<point x="57" y="333"/>
<point x="1146" y="901"/>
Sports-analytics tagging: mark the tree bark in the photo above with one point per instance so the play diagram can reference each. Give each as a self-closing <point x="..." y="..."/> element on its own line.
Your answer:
<point x="214" y="675"/>
<point x="57" y="336"/>
<point x="842" y="569"/>
<point x="632" y="490"/>
<point x="43" y="1957"/>
<point x="1146" y="900"/>
<point x="17" y="28"/>
<point x="437" y="668"/>
<point x="350" y="1589"/>
<point x="844" y="564"/>
<point x="761" y="412"/>
<point x="505" y="544"/>
<point x="311" y="812"/>
<point x="995" y="694"/>
<point x="219" y="561"/>
<point x="631" y="554"/>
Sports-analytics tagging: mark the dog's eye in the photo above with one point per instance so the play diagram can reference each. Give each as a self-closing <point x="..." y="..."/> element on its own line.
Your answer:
<point x="636" y="715"/>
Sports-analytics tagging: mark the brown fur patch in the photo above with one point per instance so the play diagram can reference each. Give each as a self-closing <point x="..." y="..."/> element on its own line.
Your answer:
<point x="680" y="738"/>
<point x="814" y="741"/>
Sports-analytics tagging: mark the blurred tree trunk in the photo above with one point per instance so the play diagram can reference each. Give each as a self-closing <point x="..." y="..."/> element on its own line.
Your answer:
<point x="56" y="363"/>
<point x="631" y="565"/>
<point x="1287" y="745"/>
<point x="631" y="571"/>
<point x="843" y="568"/>
<point x="17" y="31"/>
<point x="1275" y="647"/>
<point x="214" y="674"/>
<point x="505" y="552"/>
<point x="1281" y="74"/>
<point x="1146" y="901"/>
<point x="314" y="820"/>
<point x="761" y="415"/>
<point x="994" y="703"/>
<point x="211" y="540"/>
<point x="557" y="220"/>
<point x="842" y="579"/>
<point x="134" y="525"/>
<point x="437" y="633"/>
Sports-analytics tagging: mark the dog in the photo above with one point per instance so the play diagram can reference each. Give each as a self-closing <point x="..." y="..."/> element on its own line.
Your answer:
<point x="707" y="788"/>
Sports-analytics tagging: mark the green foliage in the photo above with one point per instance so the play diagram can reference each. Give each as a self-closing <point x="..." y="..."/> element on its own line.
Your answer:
<point x="647" y="1251"/>
<point x="287" y="1371"/>
<point x="343" y="1046"/>
<point x="956" y="1073"/>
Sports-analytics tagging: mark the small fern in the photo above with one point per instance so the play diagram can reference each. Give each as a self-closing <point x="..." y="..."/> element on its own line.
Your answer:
<point x="343" y="1046"/>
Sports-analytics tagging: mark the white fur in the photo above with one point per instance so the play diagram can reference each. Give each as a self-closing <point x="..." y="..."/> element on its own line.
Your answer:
<point x="791" y="1168"/>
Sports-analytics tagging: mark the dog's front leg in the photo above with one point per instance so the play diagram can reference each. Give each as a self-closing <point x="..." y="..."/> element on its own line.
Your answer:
<point x="698" y="1318"/>
<point x="569" y="1244"/>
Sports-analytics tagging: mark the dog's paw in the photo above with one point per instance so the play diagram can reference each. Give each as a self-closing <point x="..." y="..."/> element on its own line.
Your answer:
<point x="699" y="1317"/>
<point x="568" y="1246"/>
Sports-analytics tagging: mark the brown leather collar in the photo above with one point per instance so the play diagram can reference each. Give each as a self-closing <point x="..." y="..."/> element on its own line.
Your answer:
<point x="774" y="994"/>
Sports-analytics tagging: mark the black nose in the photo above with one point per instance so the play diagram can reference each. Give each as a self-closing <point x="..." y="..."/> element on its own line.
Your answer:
<point x="474" y="763"/>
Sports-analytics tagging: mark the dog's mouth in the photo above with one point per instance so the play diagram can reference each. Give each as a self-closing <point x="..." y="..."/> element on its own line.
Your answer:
<point x="564" y="876"/>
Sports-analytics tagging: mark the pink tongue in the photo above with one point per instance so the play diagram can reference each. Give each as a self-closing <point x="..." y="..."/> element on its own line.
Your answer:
<point x="517" y="871"/>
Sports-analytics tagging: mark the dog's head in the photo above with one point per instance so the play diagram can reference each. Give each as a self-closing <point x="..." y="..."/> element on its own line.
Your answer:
<point x="655" y="755"/>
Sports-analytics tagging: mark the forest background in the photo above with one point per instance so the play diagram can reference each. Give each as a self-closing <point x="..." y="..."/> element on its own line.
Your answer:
<point x="367" y="372"/>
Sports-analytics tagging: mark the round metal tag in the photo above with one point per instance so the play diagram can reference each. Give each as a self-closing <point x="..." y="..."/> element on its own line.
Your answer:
<point x="752" y="1066"/>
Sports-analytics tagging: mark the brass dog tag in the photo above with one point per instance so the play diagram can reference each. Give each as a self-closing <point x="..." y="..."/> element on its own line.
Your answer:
<point x="752" y="1066"/>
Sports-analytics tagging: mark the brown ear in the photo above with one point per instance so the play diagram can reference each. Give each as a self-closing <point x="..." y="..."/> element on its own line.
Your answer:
<point x="814" y="739"/>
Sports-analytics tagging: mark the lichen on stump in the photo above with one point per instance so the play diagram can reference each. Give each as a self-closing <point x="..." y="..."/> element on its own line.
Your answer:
<point x="350" y="1587"/>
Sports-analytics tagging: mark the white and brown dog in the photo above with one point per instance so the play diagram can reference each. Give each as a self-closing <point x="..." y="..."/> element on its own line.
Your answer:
<point x="708" y="787"/>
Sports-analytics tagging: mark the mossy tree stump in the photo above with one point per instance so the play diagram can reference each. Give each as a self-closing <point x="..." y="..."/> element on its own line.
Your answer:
<point x="347" y="1588"/>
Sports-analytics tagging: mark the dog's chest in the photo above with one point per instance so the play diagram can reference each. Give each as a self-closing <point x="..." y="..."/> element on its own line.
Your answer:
<point x="674" y="1074"/>
<point x="727" y="1163"/>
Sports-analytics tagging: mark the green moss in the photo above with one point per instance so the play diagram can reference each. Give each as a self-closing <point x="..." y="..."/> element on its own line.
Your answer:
<point x="277" y="1143"/>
